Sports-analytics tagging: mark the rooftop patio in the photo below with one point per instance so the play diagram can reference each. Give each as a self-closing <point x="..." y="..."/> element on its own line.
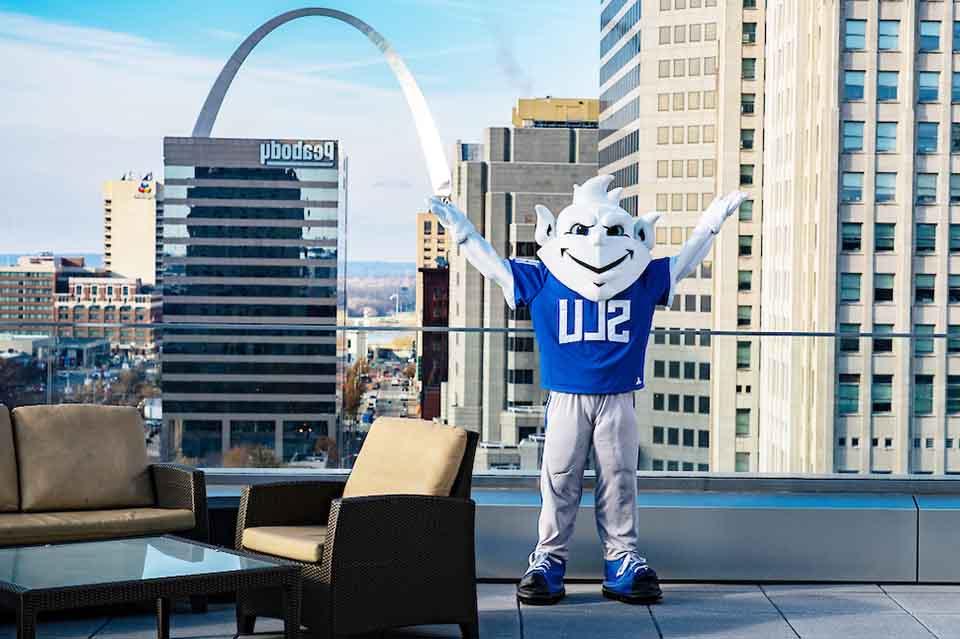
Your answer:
<point x="688" y="610"/>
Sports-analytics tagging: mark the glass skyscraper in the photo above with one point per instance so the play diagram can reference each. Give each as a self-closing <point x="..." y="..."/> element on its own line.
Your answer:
<point x="250" y="239"/>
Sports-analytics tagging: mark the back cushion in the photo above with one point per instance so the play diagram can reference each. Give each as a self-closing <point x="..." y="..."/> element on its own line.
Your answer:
<point x="9" y="490"/>
<point x="407" y="457"/>
<point x="81" y="457"/>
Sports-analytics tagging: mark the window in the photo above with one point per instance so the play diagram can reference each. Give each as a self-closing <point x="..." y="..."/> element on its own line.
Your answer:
<point x="746" y="174"/>
<point x="664" y="35"/>
<point x="956" y="36"/>
<point x="749" y="4"/>
<point x="853" y="85"/>
<point x="926" y="238"/>
<point x="688" y="437"/>
<point x="746" y="139"/>
<point x="881" y="394"/>
<point x="748" y="103"/>
<point x="703" y="439"/>
<point x="850" y="287"/>
<point x="520" y="376"/>
<point x="886" y="86"/>
<point x="886" y="137"/>
<point x="710" y="99"/>
<point x="743" y="355"/>
<point x="954" y="195"/>
<point x="704" y="370"/>
<point x="928" y="86"/>
<point x="955" y="137"/>
<point x="658" y="401"/>
<point x="689" y="370"/>
<point x="850" y="236"/>
<point x="743" y="422"/>
<point x="848" y="394"/>
<point x="748" y="67"/>
<point x="658" y="434"/>
<point x="693" y="100"/>
<point x="674" y="369"/>
<point x="852" y="136"/>
<point x="953" y="288"/>
<point x="678" y="101"/>
<point x="741" y="463"/>
<point x="710" y="31"/>
<point x="954" y="238"/>
<point x="749" y="32"/>
<point x="746" y="211"/>
<point x="658" y="367"/>
<point x="850" y="344"/>
<point x="955" y="87"/>
<point x="664" y="69"/>
<point x="883" y="287"/>
<point x="886" y="188"/>
<point x="883" y="237"/>
<point x="953" y="398"/>
<point x="744" y="280"/>
<point x="854" y="37"/>
<point x="743" y="315"/>
<point x="926" y="188"/>
<point x="923" y="342"/>
<point x="745" y="245"/>
<point x="851" y="189"/>
<point x="888" y="35"/>
<point x="693" y="66"/>
<point x="673" y="405"/>
<point x="927" y="137"/>
<point x="882" y="344"/>
<point x="923" y="284"/>
<point x="929" y="36"/>
<point x="922" y="394"/>
<point x="673" y="435"/>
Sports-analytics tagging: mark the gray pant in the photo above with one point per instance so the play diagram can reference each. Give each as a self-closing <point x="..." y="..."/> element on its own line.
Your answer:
<point x="575" y="424"/>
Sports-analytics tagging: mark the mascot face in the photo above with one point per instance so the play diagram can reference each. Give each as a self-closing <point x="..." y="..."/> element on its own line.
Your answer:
<point x="594" y="247"/>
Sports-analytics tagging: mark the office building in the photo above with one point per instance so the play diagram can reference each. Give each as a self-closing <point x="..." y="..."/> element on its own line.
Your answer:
<point x="493" y="382"/>
<point x="105" y="299"/>
<point x="433" y="346"/>
<point x="132" y="227"/>
<point x="28" y="289"/>
<point x="680" y="106"/>
<point x="250" y="237"/>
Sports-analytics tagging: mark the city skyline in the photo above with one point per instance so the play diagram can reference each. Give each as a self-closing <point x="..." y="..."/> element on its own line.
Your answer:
<point x="135" y="83"/>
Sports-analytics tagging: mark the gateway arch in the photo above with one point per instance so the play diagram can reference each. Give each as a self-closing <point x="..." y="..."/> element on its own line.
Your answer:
<point x="430" y="143"/>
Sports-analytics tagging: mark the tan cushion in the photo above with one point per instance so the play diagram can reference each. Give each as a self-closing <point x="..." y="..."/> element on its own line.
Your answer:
<point x="9" y="489"/>
<point x="407" y="457"/>
<point x="81" y="457"/>
<point x="300" y="543"/>
<point x="18" y="529"/>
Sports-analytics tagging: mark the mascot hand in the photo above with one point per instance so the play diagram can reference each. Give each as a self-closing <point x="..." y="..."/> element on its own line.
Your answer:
<point x="455" y="221"/>
<point x="720" y="209"/>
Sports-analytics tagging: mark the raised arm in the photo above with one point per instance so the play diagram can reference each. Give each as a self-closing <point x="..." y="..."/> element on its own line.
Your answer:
<point x="474" y="246"/>
<point x="698" y="244"/>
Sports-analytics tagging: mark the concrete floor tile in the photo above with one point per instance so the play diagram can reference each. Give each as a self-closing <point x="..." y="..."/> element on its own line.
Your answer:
<point x="60" y="627"/>
<point x="671" y="587"/>
<point x="700" y="602"/>
<point x="820" y="588"/>
<point x="942" y="626"/>
<point x="937" y="603"/>
<point x="858" y="626"/>
<point x="584" y="612"/>
<point x="723" y="626"/>
<point x="838" y="603"/>
<point x="891" y="588"/>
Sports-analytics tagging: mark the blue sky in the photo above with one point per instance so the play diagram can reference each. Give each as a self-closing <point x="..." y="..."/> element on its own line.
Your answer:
<point x="94" y="87"/>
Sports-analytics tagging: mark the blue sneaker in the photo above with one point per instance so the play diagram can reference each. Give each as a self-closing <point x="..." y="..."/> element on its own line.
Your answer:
<point x="631" y="580"/>
<point x="542" y="584"/>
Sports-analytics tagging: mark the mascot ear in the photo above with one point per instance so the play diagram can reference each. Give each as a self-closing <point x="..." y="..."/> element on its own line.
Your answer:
<point x="546" y="225"/>
<point x="643" y="228"/>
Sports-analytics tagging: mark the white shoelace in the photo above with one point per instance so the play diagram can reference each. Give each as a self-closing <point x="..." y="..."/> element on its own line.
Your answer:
<point x="538" y="561"/>
<point x="631" y="560"/>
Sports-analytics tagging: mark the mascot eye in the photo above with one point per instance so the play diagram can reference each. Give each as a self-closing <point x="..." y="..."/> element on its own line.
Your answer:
<point x="579" y="229"/>
<point x="615" y="230"/>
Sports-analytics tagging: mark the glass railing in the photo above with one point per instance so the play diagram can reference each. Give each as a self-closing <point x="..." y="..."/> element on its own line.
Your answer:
<point x="304" y="396"/>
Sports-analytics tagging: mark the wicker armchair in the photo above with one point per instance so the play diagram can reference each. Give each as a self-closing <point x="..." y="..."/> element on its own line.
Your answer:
<point x="371" y="560"/>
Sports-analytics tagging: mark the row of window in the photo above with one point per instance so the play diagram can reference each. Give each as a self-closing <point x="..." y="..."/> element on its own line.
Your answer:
<point x="918" y="442"/>
<point x="690" y="303"/>
<point x="680" y="67"/>
<point x="884" y="237"/>
<point x="691" y="403"/>
<point x="888" y="86"/>
<point x="678" y="336"/>
<point x="679" y="33"/>
<point x="692" y="101"/>
<point x="683" y="201"/>
<point x="926" y="140"/>
<point x="671" y="369"/>
<point x="658" y="464"/>
<point x="888" y="35"/>
<point x="689" y="134"/>
<point x="885" y="188"/>
<point x="666" y="5"/>
<point x="673" y="437"/>
<point x="627" y="22"/>
<point x="923" y="288"/>
<point x="923" y="340"/>
<point x="675" y="168"/>
<point x="881" y="394"/>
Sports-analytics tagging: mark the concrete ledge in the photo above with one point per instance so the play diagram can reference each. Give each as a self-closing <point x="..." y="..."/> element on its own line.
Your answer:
<point x="938" y="538"/>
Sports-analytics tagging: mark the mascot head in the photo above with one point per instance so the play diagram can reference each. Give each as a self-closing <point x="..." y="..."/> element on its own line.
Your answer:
<point x="594" y="247"/>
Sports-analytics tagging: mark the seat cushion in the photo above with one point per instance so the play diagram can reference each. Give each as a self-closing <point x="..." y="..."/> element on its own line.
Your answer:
<point x="81" y="457"/>
<point x="407" y="457"/>
<point x="300" y="543"/>
<point x="9" y="488"/>
<point x="20" y="529"/>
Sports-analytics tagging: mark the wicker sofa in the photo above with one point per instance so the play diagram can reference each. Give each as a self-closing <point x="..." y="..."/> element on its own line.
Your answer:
<point x="79" y="472"/>
<point x="393" y="547"/>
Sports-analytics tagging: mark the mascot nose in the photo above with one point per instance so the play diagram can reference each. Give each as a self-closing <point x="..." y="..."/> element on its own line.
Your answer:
<point x="597" y="235"/>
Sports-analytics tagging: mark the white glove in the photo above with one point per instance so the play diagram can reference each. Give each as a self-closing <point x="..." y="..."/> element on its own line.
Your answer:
<point x="455" y="221"/>
<point x="720" y="209"/>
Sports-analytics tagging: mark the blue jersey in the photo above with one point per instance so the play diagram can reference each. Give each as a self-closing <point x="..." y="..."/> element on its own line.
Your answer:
<point x="590" y="347"/>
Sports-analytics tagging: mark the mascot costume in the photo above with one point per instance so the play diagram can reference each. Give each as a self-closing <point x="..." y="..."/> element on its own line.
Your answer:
<point x="591" y="297"/>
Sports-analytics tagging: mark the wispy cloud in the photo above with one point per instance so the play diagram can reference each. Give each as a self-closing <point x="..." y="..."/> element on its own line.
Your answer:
<point x="223" y="34"/>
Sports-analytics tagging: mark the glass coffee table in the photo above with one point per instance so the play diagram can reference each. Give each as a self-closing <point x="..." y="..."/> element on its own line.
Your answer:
<point x="36" y="579"/>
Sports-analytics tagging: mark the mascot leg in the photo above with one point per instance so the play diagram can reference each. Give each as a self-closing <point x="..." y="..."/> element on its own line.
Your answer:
<point x="565" y="450"/>
<point x="616" y="443"/>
